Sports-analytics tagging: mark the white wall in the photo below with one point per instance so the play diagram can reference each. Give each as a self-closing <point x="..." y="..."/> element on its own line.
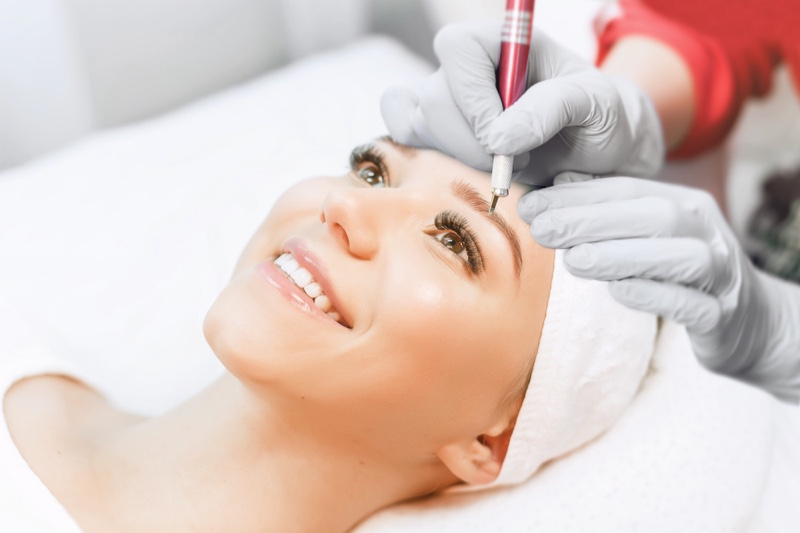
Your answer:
<point x="142" y="57"/>
<point x="44" y="99"/>
<point x="68" y="67"/>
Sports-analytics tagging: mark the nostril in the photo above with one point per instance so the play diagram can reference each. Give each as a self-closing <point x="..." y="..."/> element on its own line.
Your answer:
<point x="341" y="234"/>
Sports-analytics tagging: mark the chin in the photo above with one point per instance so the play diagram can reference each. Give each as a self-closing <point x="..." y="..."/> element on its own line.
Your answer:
<point x="240" y="331"/>
<point x="257" y="336"/>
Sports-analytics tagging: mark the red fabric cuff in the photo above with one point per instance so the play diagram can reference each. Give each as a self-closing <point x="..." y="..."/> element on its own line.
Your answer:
<point x="718" y="99"/>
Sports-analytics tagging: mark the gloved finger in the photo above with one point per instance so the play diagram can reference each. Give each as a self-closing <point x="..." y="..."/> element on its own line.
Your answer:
<point x="695" y="309"/>
<point x="439" y="123"/>
<point x="611" y="189"/>
<point x="651" y="216"/>
<point x="403" y="112"/>
<point x="469" y="53"/>
<point x="398" y="105"/>
<point x="541" y="113"/>
<point x="678" y="261"/>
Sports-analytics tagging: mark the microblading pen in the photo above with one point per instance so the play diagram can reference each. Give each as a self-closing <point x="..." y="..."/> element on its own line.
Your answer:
<point x="512" y="76"/>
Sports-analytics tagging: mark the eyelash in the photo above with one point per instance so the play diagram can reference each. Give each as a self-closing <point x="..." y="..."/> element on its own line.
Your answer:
<point x="368" y="154"/>
<point x="445" y="221"/>
<point x="451" y="221"/>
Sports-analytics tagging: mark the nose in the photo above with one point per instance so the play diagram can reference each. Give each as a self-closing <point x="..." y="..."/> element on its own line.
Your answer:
<point x="356" y="219"/>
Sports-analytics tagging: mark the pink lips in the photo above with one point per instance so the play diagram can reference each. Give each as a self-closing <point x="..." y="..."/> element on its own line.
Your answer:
<point x="314" y="265"/>
<point x="294" y="294"/>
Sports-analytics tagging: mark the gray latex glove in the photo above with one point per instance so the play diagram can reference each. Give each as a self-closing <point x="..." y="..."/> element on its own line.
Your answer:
<point x="667" y="250"/>
<point x="572" y="117"/>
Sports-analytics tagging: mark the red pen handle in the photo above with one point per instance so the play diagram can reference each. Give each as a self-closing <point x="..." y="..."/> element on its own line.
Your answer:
<point x="515" y="46"/>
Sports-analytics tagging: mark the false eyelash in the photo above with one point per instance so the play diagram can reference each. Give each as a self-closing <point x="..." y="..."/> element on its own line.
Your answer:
<point x="367" y="153"/>
<point x="449" y="220"/>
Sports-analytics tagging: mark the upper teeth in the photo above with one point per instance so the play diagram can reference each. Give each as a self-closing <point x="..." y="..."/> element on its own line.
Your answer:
<point x="303" y="279"/>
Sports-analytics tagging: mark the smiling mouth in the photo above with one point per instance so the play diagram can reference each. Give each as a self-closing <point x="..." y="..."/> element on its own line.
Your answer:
<point x="301" y="277"/>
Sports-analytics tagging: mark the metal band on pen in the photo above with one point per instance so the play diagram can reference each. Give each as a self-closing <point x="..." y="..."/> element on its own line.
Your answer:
<point x="517" y="27"/>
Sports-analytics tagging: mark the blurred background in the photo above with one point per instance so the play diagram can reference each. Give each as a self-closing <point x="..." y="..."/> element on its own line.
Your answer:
<point x="70" y="67"/>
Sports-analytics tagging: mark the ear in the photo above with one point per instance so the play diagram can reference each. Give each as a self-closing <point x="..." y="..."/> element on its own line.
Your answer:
<point x="478" y="461"/>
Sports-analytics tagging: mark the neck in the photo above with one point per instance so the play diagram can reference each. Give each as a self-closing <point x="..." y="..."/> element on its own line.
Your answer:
<point x="228" y="461"/>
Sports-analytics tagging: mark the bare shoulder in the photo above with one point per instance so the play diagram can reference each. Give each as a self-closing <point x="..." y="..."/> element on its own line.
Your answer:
<point x="55" y="399"/>
<point x="49" y="415"/>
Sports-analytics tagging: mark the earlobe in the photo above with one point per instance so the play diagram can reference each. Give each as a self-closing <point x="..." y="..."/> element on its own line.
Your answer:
<point x="478" y="460"/>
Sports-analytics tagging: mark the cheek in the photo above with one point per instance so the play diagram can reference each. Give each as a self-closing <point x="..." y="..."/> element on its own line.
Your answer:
<point x="237" y="328"/>
<point x="444" y="350"/>
<point x="438" y="313"/>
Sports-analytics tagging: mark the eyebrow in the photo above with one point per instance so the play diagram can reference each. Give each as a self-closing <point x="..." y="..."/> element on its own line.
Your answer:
<point x="479" y="204"/>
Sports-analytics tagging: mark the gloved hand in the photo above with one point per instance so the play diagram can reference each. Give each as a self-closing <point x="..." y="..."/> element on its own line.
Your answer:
<point x="572" y="117"/>
<point x="667" y="250"/>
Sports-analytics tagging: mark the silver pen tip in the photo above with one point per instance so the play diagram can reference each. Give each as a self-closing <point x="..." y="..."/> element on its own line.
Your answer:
<point x="494" y="203"/>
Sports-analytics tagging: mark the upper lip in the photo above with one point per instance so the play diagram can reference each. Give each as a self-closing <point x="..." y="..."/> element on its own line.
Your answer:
<point x="308" y="260"/>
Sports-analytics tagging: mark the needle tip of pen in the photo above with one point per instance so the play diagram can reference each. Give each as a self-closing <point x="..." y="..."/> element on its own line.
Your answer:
<point x="494" y="204"/>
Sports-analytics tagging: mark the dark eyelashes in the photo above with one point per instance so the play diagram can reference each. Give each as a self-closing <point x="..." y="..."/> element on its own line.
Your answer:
<point x="451" y="221"/>
<point x="367" y="153"/>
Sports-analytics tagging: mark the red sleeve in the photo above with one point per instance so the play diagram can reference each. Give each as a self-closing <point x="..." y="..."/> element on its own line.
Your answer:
<point x="731" y="49"/>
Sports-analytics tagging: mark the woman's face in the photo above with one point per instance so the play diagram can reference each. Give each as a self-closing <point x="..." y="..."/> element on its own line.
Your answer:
<point x="437" y="307"/>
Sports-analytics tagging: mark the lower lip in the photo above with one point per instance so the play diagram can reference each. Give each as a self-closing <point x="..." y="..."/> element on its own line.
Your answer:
<point x="291" y="292"/>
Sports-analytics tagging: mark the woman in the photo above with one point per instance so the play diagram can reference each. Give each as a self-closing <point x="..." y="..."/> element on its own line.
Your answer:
<point x="368" y="386"/>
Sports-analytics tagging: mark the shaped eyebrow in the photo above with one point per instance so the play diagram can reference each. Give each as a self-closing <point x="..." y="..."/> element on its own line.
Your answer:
<point x="469" y="195"/>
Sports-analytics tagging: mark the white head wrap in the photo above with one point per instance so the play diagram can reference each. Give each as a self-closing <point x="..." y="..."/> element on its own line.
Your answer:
<point x="593" y="355"/>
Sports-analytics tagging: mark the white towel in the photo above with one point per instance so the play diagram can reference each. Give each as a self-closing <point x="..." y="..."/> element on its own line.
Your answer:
<point x="593" y="355"/>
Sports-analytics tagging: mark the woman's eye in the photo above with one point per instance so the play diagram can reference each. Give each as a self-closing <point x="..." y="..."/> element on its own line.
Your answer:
<point x="452" y="241"/>
<point x="371" y="174"/>
<point x="452" y="231"/>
